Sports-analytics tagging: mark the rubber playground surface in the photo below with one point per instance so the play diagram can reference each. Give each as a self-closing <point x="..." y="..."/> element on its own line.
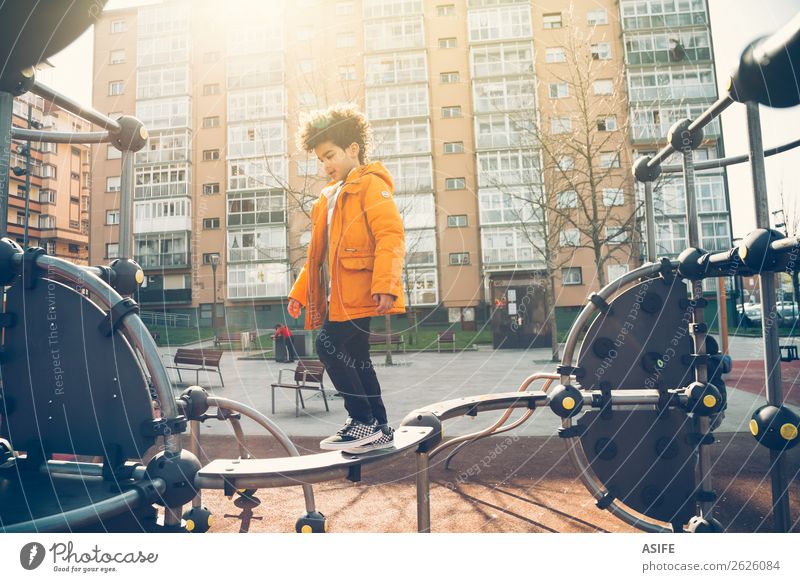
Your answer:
<point x="500" y="484"/>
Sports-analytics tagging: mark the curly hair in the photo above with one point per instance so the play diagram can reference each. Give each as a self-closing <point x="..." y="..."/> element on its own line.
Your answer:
<point x="341" y="124"/>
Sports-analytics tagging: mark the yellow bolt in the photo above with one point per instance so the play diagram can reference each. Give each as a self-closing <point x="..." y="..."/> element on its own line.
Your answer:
<point x="568" y="403"/>
<point x="709" y="401"/>
<point x="210" y="520"/>
<point x="754" y="427"/>
<point x="306" y="529"/>
<point x="189" y="525"/>
<point x="789" y="431"/>
<point x="326" y="526"/>
<point x="742" y="252"/>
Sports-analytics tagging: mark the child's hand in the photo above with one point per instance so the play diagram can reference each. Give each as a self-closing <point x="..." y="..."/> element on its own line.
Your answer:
<point x="295" y="308"/>
<point x="384" y="303"/>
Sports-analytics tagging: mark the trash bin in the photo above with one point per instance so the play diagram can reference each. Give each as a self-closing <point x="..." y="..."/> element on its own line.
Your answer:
<point x="280" y="349"/>
<point x="302" y="341"/>
<point x="245" y="340"/>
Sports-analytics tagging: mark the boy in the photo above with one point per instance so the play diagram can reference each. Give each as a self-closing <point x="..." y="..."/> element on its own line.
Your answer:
<point x="353" y="271"/>
<point x="284" y="332"/>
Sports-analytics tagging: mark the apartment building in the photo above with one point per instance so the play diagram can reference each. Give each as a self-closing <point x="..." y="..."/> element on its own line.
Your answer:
<point x="58" y="196"/>
<point x="458" y="93"/>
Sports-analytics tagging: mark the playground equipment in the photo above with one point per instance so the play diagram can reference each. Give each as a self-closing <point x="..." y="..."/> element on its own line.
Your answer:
<point x="637" y="404"/>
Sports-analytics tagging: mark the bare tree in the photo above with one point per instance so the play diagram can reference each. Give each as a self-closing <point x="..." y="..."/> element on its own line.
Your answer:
<point x="580" y="198"/>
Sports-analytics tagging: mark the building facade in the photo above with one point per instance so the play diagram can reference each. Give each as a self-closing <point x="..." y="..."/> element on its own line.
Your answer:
<point x="459" y="93"/>
<point x="58" y="196"/>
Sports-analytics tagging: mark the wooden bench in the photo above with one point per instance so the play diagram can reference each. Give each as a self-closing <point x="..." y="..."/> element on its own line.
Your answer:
<point x="201" y="361"/>
<point x="308" y="375"/>
<point x="791" y="353"/>
<point x="234" y="338"/>
<point x="445" y="337"/>
<point x="395" y="339"/>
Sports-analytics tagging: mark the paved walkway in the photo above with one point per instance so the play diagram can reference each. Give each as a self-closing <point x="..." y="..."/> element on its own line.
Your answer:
<point x="419" y="379"/>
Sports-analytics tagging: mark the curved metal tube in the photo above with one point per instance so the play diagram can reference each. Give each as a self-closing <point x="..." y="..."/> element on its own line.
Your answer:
<point x="241" y="440"/>
<point x="87" y="113"/>
<point x="521" y="420"/>
<point x="82" y="137"/>
<point x="731" y="160"/>
<point x="575" y="451"/>
<point x="82" y="516"/>
<point x="132" y="326"/>
<point x="273" y="429"/>
<point x="472" y="437"/>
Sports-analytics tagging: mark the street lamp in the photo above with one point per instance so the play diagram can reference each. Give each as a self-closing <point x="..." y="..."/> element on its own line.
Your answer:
<point x="214" y="259"/>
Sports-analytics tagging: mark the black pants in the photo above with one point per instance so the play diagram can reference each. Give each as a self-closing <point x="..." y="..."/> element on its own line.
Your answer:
<point x="343" y="346"/>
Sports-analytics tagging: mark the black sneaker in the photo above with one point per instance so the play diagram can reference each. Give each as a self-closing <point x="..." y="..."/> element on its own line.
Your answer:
<point x="385" y="441"/>
<point x="354" y="434"/>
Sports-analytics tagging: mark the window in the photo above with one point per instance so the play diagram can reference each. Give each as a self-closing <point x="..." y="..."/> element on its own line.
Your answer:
<point x="603" y="87"/>
<point x="112" y="216"/>
<point x="571" y="276"/>
<point x="607" y="123"/>
<point x="616" y="271"/>
<point x="116" y="88"/>
<point x="454" y="147"/>
<point x="73" y="248"/>
<point x="209" y="122"/>
<point x="560" y="125"/>
<point x="567" y="199"/>
<point x="212" y="89"/>
<point x="118" y="26"/>
<point x="595" y="17"/>
<point x="344" y="8"/>
<point x="388" y="69"/>
<point x="446" y="10"/>
<point x="601" y="51"/>
<point x="116" y="57"/>
<point x="112" y="250"/>
<point x="307" y="167"/>
<point x="346" y="40"/>
<point x="211" y="56"/>
<point x="455" y="183"/>
<point x="457" y="220"/>
<point x="449" y="77"/>
<point x="251" y="208"/>
<point x="49" y="171"/>
<point x="391" y="103"/>
<point x="558" y="90"/>
<point x="552" y="20"/>
<point x="616" y="235"/>
<point x="451" y="111"/>
<point x="459" y="258"/>
<point x="207" y="258"/>
<point x="501" y="23"/>
<point x="613" y="196"/>
<point x="556" y="54"/>
<point x="569" y="237"/>
<point x="210" y="155"/>
<point x="46" y="195"/>
<point x="566" y="163"/>
<point x="609" y="160"/>
<point x="503" y="59"/>
<point x="714" y="234"/>
<point x="447" y="43"/>
<point x="212" y="188"/>
<point x="113" y="153"/>
<point x="347" y="73"/>
<point x="209" y="223"/>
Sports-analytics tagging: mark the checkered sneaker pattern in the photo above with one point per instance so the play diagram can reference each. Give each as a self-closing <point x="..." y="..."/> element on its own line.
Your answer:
<point x="385" y="441"/>
<point x="354" y="434"/>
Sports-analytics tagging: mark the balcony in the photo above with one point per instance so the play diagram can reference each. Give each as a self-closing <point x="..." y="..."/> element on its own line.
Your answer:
<point x="163" y="261"/>
<point x="145" y="296"/>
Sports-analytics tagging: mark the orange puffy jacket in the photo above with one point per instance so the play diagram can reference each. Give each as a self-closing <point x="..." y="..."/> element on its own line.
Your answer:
<point x="367" y="246"/>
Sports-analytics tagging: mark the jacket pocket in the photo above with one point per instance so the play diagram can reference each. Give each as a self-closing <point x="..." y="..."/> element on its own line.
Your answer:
<point x="365" y="263"/>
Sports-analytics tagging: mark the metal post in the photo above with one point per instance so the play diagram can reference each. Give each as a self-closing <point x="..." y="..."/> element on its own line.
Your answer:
<point x="126" y="207"/>
<point x="214" y="263"/>
<point x="722" y="313"/>
<point x="6" y="111"/>
<point x="649" y="212"/>
<point x="701" y="423"/>
<point x="423" y="494"/>
<point x="194" y="448"/>
<point x="28" y="180"/>
<point x="772" y="361"/>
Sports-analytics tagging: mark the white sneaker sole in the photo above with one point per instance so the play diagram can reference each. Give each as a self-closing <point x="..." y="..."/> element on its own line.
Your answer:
<point x="370" y="447"/>
<point x="329" y="446"/>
